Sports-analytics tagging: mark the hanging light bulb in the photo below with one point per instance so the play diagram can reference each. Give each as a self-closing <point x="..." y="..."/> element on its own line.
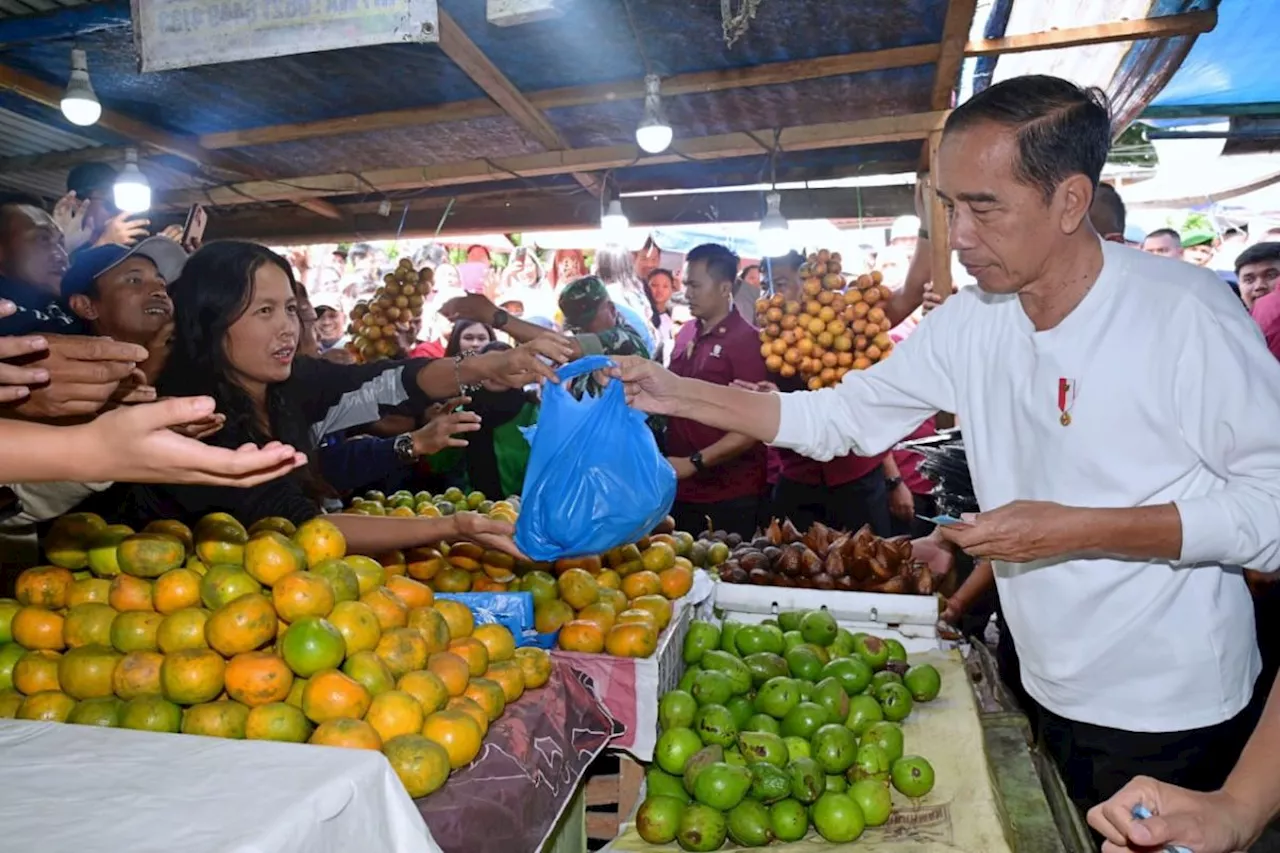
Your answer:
<point x="79" y="103"/>
<point x="654" y="133"/>
<point x="774" y="238"/>
<point x="614" y="223"/>
<point x="132" y="192"/>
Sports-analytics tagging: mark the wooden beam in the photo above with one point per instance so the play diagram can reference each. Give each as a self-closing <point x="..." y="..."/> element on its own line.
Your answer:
<point x="939" y="232"/>
<point x="65" y="159"/>
<point x="50" y="95"/>
<point x="955" y="34"/>
<point x="723" y="146"/>
<point x="1164" y="26"/>
<point x="459" y="47"/>
<point x="768" y="74"/>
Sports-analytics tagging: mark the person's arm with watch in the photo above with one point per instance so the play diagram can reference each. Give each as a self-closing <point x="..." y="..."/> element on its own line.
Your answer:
<point x="902" y="504"/>
<point x="730" y="447"/>
<point x="477" y="307"/>
<point x="359" y="463"/>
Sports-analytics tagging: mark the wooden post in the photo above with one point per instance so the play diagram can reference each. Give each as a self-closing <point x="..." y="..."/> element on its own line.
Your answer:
<point x="939" y="233"/>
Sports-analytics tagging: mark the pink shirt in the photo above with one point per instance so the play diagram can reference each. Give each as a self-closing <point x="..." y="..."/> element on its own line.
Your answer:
<point x="1266" y="313"/>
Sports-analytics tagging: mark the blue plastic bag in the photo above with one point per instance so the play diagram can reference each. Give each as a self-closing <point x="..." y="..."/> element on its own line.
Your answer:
<point x="596" y="479"/>
<point x="511" y="610"/>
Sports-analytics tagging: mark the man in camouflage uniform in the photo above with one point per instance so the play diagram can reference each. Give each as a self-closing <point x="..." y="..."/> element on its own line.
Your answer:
<point x="593" y="320"/>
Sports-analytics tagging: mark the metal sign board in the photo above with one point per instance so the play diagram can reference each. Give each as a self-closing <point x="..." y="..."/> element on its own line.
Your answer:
<point x="186" y="33"/>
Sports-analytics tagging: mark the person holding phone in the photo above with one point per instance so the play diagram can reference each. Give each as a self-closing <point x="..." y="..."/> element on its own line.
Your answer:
<point x="88" y="215"/>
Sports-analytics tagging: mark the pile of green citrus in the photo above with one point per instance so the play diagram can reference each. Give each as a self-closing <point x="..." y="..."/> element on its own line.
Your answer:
<point x="778" y="726"/>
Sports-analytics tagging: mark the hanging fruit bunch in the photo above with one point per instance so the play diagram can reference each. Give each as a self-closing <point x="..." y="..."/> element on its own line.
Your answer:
<point x="834" y="326"/>
<point x="396" y="304"/>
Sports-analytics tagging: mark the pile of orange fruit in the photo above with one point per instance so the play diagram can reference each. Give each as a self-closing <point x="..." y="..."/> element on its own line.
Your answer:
<point x="397" y="302"/>
<point x="269" y="633"/>
<point x="831" y="327"/>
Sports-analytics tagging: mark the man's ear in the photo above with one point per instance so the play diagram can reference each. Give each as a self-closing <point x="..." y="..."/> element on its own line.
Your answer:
<point x="1075" y="195"/>
<point x="82" y="306"/>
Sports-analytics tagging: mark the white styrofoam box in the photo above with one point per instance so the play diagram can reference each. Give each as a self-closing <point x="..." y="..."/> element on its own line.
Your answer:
<point x="910" y="619"/>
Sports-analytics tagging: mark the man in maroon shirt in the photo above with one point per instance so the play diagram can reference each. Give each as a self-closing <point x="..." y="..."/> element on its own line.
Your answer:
<point x="722" y="475"/>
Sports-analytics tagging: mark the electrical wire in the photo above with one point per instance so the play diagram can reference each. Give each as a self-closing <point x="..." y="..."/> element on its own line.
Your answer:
<point x="635" y="34"/>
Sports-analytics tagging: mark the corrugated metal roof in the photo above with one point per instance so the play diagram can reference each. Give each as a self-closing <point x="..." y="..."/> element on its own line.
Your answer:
<point x="22" y="8"/>
<point x="20" y="135"/>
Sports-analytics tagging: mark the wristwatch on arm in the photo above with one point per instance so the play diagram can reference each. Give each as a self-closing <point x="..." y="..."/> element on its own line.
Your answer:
<point x="891" y="483"/>
<point x="500" y="318"/>
<point x="405" y="451"/>
<point x="696" y="461"/>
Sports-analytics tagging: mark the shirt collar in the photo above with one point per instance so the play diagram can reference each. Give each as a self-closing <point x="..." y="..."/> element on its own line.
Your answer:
<point x="722" y="328"/>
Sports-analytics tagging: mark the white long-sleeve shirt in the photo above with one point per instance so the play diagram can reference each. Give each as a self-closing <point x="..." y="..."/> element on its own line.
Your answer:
<point x="1176" y="399"/>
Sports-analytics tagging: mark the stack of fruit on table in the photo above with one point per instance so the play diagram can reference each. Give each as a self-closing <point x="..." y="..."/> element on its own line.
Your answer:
<point x="269" y="633"/>
<point x="405" y="504"/>
<point x="830" y="330"/>
<point x="828" y="559"/>
<point x="780" y="725"/>
<point x="397" y="302"/>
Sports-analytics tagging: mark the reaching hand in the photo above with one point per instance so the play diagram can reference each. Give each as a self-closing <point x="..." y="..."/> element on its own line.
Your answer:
<point x="932" y="300"/>
<point x="124" y="230"/>
<point x="1205" y="823"/>
<point x="82" y="375"/>
<point x="650" y="387"/>
<point x="473" y="306"/>
<point x="488" y="532"/>
<point x="442" y="431"/>
<point x="683" y="467"/>
<point x="15" y="381"/>
<point x="138" y="444"/>
<point x="69" y="214"/>
<point x="1019" y="532"/>
<point x="157" y="353"/>
<point x="902" y="504"/>
<point x="518" y="367"/>
<point x="173" y="232"/>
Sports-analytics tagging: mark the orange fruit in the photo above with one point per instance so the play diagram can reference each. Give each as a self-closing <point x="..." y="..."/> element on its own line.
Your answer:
<point x="395" y="713"/>
<point x="192" y="676"/>
<point x="457" y="616"/>
<point x="460" y="736"/>
<point x="274" y="522"/>
<point x="103" y="711"/>
<point x="258" y="678"/>
<point x="151" y="712"/>
<point x="641" y="583"/>
<point x="86" y="672"/>
<point x="270" y="555"/>
<point x="421" y="764"/>
<point x="50" y="706"/>
<point x="346" y="587"/>
<point x="402" y="650"/>
<point x="659" y="606"/>
<point x="600" y="613"/>
<point x="245" y="624"/>
<point x="609" y="579"/>
<point x="431" y="625"/>
<point x="615" y="598"/>
<point x="300" y="594"/>
<point x="45" y="586"/>
<point x="369" y="572"/>
<point x="358" y="625"/>
<point x="638" y="615"/>
<point x="137" y="674"/>
<point x="425" y="570"/>
<point x="425" y="686"/>
<point x="130" y="593"/>
<point x="387" y="606"/>
<point x="346" y="732"/>
<point x="371" y="671"/>
<point x="450" y="579"/>
<point x="136" y="630"/>
<point x="509" y="675"/>
<point x="452" y="670"/>
<point x="89" y="590"/>
<point x="174" y="590"/>
<point x="631" y="640"/>
<point x="582" y="636"/>
<point x="295" y="693"/>
<point x="223" y="719"/>
<point x="535" y="664"/>
<point x="320" y="540"/>
<point x="183" y="629"/>
<point x="411" y="592"/>
<point x="578" y="588"/>
<point x="480" y="583"/>
<point x="497" y="641"/>
<point x="549" y="616"/>
<point x="676" y="581"/>
<point x="473" y="652"/>
<point x="331" y="694"/>
<point x="86" y="624"/>
<point x="472" y="709"/>
<point x="277" y="721"/>
<point x="37" y="671"/>
<point x="310" y="645"/>
<point x="224" y="584"/>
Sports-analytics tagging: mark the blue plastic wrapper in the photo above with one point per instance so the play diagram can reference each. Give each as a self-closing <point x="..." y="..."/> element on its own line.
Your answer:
<point x="511" y="610"/>
<point x="596" y="479"/>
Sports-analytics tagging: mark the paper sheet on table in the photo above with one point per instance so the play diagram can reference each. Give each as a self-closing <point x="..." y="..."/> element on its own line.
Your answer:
<point x="960" y="814"/>
<point x="81" y="789"/>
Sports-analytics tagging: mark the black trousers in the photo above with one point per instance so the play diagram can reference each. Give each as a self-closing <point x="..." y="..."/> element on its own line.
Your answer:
<point x="1096" y="762"/>
<point x="736" y="515"/>
<point x="844" y="507"/>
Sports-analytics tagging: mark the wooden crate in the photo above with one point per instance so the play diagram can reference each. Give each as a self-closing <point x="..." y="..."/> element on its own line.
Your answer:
<point x="612" y="796"/>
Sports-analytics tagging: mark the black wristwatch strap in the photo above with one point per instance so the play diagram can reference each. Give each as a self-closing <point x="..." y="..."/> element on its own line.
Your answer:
<point x="892" y="483"/>
<point x="403" y="446"/>
<point x="500" y="318"/>
<point x="698" y="464"/>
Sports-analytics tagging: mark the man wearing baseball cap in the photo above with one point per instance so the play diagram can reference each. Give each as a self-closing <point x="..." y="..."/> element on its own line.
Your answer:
<point x="329" y="325"/>
<point x="120" y="292"/>
<point x="593" y="320"/>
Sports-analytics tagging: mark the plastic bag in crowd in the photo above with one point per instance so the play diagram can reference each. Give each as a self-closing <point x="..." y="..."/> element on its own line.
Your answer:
<point x="596" y="479"/>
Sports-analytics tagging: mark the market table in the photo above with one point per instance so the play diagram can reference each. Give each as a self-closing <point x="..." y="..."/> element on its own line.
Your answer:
<point x="81" y="789"/>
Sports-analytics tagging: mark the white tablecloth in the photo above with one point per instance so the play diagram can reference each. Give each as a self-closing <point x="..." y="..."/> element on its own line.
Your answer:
<point x="80" y="789"/>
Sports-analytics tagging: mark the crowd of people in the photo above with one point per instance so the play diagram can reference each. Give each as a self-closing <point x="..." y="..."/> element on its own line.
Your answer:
<point x="1115" y="407"/>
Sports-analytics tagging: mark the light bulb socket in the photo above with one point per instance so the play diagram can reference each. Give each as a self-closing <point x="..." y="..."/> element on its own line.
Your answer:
<point x="132" y="191"/>
<point x="79" y="102"/>
<point x="654" y="132"/>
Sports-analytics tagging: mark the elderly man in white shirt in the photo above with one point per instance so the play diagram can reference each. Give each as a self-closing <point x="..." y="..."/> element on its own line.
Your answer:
<point x="1120" y="415"/>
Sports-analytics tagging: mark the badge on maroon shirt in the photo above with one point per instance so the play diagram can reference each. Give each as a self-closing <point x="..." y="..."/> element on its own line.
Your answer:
<point x="1066" y="399"/>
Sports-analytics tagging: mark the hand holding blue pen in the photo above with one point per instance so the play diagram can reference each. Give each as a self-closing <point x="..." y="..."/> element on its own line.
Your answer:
<point x="1141" y="812"/>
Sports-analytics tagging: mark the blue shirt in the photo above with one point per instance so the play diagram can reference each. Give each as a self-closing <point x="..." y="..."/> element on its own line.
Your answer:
<point x="38" y="311"/>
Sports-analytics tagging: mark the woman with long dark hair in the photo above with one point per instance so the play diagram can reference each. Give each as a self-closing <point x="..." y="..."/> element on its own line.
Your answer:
<point x="468" y="337"/>
<point x="236" y="340"/>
